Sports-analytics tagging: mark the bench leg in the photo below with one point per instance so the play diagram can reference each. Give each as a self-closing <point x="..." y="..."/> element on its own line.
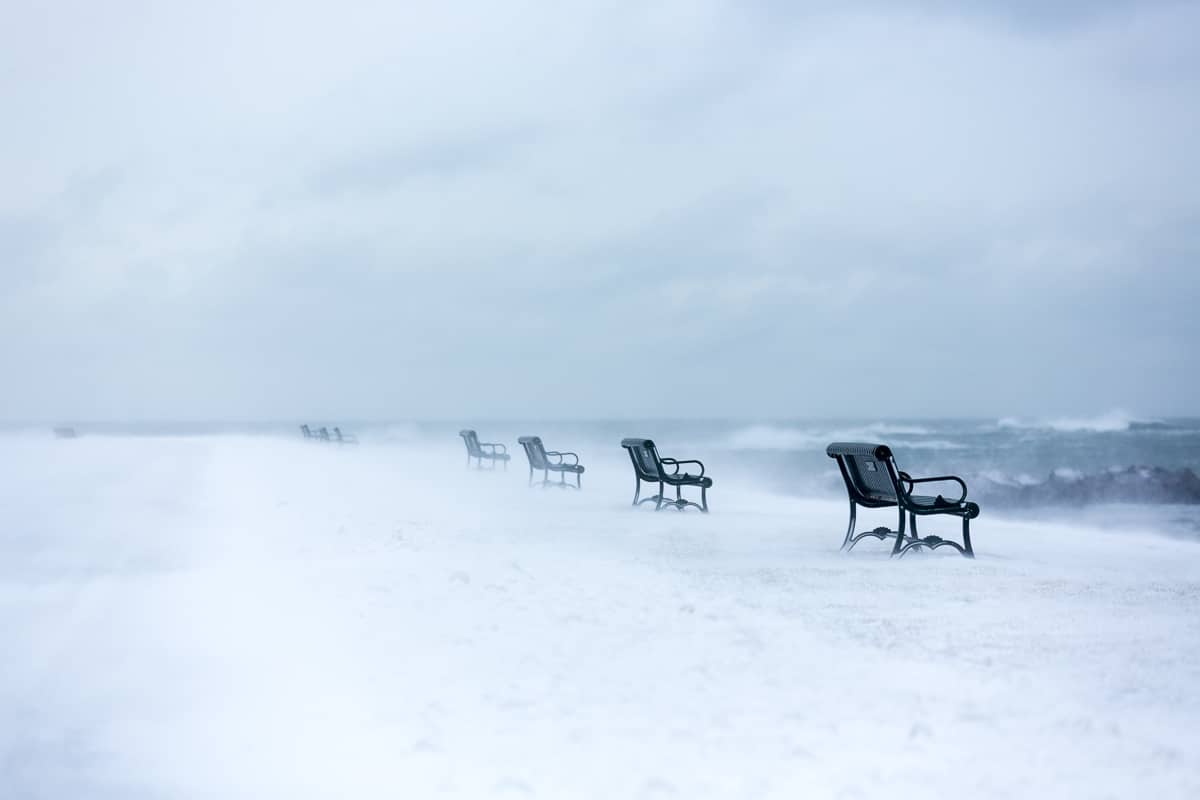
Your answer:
<point x="656" y="499"/>
<point x="934" y="542"/>
<point x="850" y="527"/>
<point x="915" y="535"/>
<point x="899" y="534"/>
<point x="679" y="504"/>
<point x="912" y="522"/>
<point x="578" y="480"/>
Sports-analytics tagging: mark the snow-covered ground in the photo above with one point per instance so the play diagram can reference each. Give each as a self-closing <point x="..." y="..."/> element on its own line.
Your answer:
<point x="225" y="617"/>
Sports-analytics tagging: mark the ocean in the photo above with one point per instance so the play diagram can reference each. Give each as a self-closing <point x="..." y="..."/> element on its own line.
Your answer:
<point x="1011" y="465"/>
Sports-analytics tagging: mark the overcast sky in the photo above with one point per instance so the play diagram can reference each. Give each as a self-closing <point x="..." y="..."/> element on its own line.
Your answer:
<point x="229" y="210"/>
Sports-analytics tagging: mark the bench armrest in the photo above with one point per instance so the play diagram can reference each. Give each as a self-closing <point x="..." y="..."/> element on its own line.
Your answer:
<point x="675" y="462"/>
<point x="494" y="445"/>
<point x="911" y="481"/>
<point x="561" y="453"/>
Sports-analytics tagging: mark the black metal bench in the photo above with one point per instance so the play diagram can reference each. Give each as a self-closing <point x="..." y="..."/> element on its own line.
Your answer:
<point x="492" y="451"/>
<point x="648" y="466"/>
<point x="550" y="461"/>
<point x="873" y="481"/>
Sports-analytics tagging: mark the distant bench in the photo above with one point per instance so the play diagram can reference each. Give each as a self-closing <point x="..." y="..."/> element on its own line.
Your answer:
<point x="492" y="451"/>
<point x="320" y="434"/>
<point x="323" y="435"/>
<point x="550" y="461"/>
<point x="649" y="466"/>
<point x="873" y="481"/>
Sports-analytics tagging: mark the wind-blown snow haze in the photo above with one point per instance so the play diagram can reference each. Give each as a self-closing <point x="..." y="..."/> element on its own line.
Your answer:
<point x="263" y="261"/>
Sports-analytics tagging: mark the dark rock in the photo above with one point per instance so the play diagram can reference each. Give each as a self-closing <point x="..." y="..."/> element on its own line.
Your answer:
<point x="1136" y="484"/>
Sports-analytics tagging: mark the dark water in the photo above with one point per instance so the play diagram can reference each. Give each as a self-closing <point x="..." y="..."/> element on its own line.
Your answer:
<point x="1012" y="463"/>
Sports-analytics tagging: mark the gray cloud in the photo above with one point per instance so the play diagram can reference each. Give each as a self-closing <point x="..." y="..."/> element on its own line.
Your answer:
<point x="377" y="211"/>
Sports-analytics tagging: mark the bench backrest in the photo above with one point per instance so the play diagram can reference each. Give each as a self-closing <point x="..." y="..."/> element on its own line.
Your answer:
<point x="535" y="451"/>
<point x="472" y="440"/>
<point x="869" y="471"/>
<point x="644" y="456"/>
<point x="307" y="433"/>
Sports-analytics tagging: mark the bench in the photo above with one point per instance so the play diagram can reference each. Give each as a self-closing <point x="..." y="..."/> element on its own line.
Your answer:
<point x="308" y="434"/>
<point x="492" y="451"/>
<point x="550" y="461"/>
<point x="343" y="438"/>
<point x="648" y="466"/>
<point x="874" y="481"/>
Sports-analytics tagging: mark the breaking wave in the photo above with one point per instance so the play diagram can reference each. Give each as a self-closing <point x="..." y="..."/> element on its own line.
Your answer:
<point x="1112" y="422"/>
<point x="775" y="437"/>
<point x="934" y="444"/>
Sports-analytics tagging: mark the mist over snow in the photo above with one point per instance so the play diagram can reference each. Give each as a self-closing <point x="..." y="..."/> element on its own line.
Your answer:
<point x="249" y="617"/>
<point x="969" y="230"/>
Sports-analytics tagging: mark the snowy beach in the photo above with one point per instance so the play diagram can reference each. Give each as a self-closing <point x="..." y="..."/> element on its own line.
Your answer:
<point x="264" y="261"/>
<point x="252" y="616"/>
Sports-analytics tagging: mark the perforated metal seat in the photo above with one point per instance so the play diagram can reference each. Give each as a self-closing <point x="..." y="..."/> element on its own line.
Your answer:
<point x="873" y="480"/>
<point x="940" y="503"/>
<point x="550" y="461"/>
<point x="650" y="467"/>
<point x="688" y="480"/>
<point x="492" y="451"/>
